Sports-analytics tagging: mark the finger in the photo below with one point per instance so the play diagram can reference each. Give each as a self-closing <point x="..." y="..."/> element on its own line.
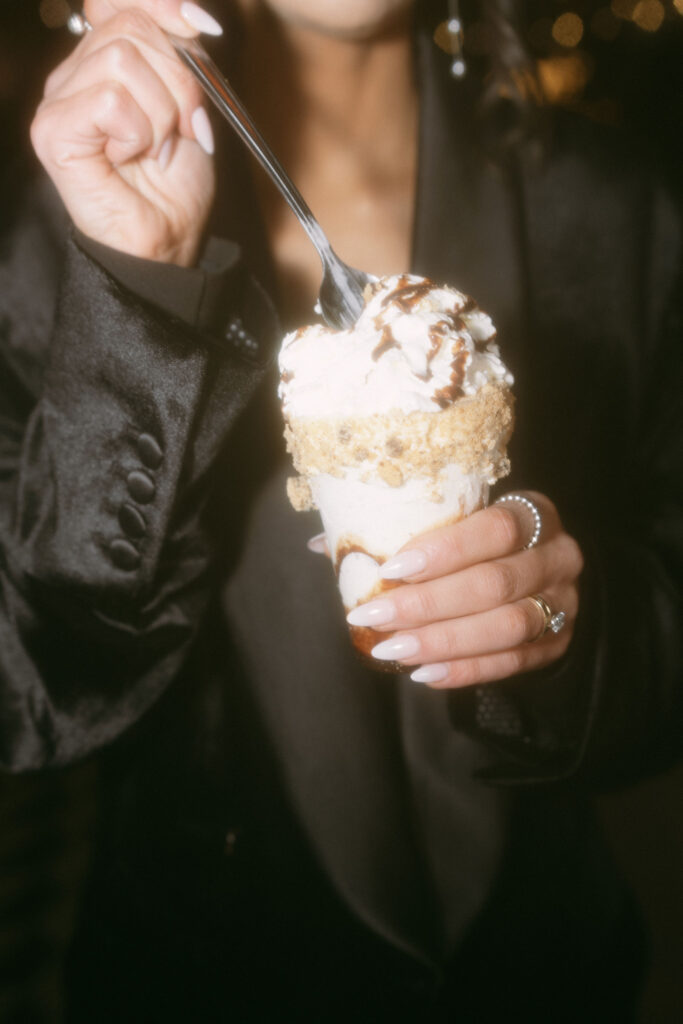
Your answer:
<point x="102" y="121"/>
<point x="491" y="668"/>
<point x="120" y="61"/>
<point x="485" y="535"/>
<point x="475" y="589"/>
<point x="498" y="630"/>
<point x="318" y="545"/>
<point x="118" y="50"/>
<point x="177" y="17"/>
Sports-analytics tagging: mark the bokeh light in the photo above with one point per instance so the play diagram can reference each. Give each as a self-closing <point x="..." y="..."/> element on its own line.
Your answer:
<point x="564" y="77"/>
<point x="568" y="29"/>
<point x="54" y="13"/>
<point x="649" y="14"/>
<point x="623" y="8"/>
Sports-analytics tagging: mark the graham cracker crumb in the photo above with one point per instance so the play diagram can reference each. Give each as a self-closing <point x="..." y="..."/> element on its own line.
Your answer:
<point x="390" y="473"/>
<point x="299" y="493"/>
<point x="471" y="433"/>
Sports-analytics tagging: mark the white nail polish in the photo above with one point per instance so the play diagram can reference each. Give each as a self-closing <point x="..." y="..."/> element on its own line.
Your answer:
<point x="203" y="133"/>
<point x="397" y="648"/>
<point x="164" y="157"/>
<point x="318" y="544"/>
<point x="198" y="18"/>
<point x="405" y="563"/>
<point x="429" y="674"/>
<point x="374" y="613"/>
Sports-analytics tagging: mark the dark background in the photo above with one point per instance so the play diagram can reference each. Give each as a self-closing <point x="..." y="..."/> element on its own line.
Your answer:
<point x="626" y="70"/>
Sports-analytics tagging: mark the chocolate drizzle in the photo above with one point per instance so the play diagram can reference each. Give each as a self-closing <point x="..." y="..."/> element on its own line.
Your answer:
<point x="386" y="342"/>
<point x="407" y="293"/>
<point x="451" y="392"/>
<point x="483" y="343"/>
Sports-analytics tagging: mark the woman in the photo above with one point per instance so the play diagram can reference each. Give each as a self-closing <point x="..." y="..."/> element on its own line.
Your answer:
<point x="283" y="831"/>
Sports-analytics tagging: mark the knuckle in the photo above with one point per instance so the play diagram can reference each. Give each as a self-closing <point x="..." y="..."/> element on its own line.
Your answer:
<point x="417" y="604"/>
<point x="466" y="672"/>
<point x="52" y="80"/>
<point x="437" y="641"/>
<point x="575" y="557"/>
<point x="450" y="537"/>
<point x="112" y="97"/>
<point x="498" y="582"/>
<point x="134" y="22"/>
<point x="515" y="662"/>
<point x="184" y="85"/>
<point x="42" y="133"/>
<point x="120" y="55"/>
<point x="519" y="622"/>
<point x="37" y="130"/>
<point x="506" y="528"/>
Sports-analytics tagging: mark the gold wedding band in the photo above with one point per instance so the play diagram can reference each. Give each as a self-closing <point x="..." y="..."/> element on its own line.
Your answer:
<point x="553" y="621"/>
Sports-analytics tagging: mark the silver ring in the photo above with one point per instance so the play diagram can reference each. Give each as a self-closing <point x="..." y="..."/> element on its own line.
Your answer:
<point x="553" y="621"/>
<point x="531" y="507"/>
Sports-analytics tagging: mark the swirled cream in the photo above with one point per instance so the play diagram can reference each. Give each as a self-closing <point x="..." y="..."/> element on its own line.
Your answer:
<point x="415" y="347"/>
<point x="396" y="425"/>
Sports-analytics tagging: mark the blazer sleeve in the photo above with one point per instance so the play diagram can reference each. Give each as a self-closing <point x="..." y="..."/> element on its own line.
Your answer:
<point x="105" y="558"/>
<point x="612" y="709"/>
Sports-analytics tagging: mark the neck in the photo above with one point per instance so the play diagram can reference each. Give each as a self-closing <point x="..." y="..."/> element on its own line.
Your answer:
<point x="322" y="91"/>
<point x="341" y="114"/>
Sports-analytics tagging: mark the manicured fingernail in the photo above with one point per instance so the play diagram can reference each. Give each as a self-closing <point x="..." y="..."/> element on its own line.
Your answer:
<point x="164" y="157"/>
<point x="203" y="133"/>
<point x="405" y="563"/>
<point x="374" y="613"/>
<point x="318" y="544"/>
<point x="429" y="674"/>
<point x="397" y="648"/>
<point x="200" y="19"/>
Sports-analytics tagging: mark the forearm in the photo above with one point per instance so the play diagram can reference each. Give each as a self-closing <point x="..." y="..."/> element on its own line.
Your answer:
<point x="107" y="562"/>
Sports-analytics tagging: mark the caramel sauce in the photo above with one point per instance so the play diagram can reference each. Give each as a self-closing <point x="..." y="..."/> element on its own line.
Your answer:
<point x="364" y="638"/>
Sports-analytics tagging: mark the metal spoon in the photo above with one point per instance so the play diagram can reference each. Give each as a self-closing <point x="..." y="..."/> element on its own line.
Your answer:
<point x="341" y="289"/>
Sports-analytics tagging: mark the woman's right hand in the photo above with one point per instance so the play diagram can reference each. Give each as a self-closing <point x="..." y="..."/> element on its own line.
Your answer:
<point x="123" y="133"/>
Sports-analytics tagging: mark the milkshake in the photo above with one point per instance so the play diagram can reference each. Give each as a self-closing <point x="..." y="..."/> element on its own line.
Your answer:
<point x="396" y="426"/>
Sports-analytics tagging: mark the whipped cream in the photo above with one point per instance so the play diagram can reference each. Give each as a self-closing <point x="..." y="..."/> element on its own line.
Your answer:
<point x="416" y="347"/>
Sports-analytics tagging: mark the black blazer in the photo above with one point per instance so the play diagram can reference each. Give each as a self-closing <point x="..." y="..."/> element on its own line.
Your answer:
<point x="147" y="550"/>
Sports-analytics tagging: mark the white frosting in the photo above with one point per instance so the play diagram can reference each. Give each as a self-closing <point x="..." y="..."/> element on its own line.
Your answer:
<point x="415" y="347"/>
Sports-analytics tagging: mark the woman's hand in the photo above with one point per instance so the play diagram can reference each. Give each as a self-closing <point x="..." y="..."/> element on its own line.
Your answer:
<point x="464" y="614"/>
<point x="123" y="133"/>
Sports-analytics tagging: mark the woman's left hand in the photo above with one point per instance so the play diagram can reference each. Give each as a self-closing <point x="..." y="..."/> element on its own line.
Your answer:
<point x="463" y="613"/>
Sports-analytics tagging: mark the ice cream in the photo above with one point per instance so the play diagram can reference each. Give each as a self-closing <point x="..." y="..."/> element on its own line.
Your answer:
<point x="396" y="426"/>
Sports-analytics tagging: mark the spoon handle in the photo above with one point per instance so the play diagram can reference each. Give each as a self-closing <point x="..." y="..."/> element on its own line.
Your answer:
<point x="219" y="90"/>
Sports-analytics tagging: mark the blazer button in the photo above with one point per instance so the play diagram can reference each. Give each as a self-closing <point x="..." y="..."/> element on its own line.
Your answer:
<point x="149" y="451"/>
<point x="132" y="522"/>
<point x="124" y="555"/>
<point x="140" y="486"/>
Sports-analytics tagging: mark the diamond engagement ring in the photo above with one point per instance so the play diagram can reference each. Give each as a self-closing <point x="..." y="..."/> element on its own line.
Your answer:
<point x="553" y="621"/>
<point x="531" y="508"/>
